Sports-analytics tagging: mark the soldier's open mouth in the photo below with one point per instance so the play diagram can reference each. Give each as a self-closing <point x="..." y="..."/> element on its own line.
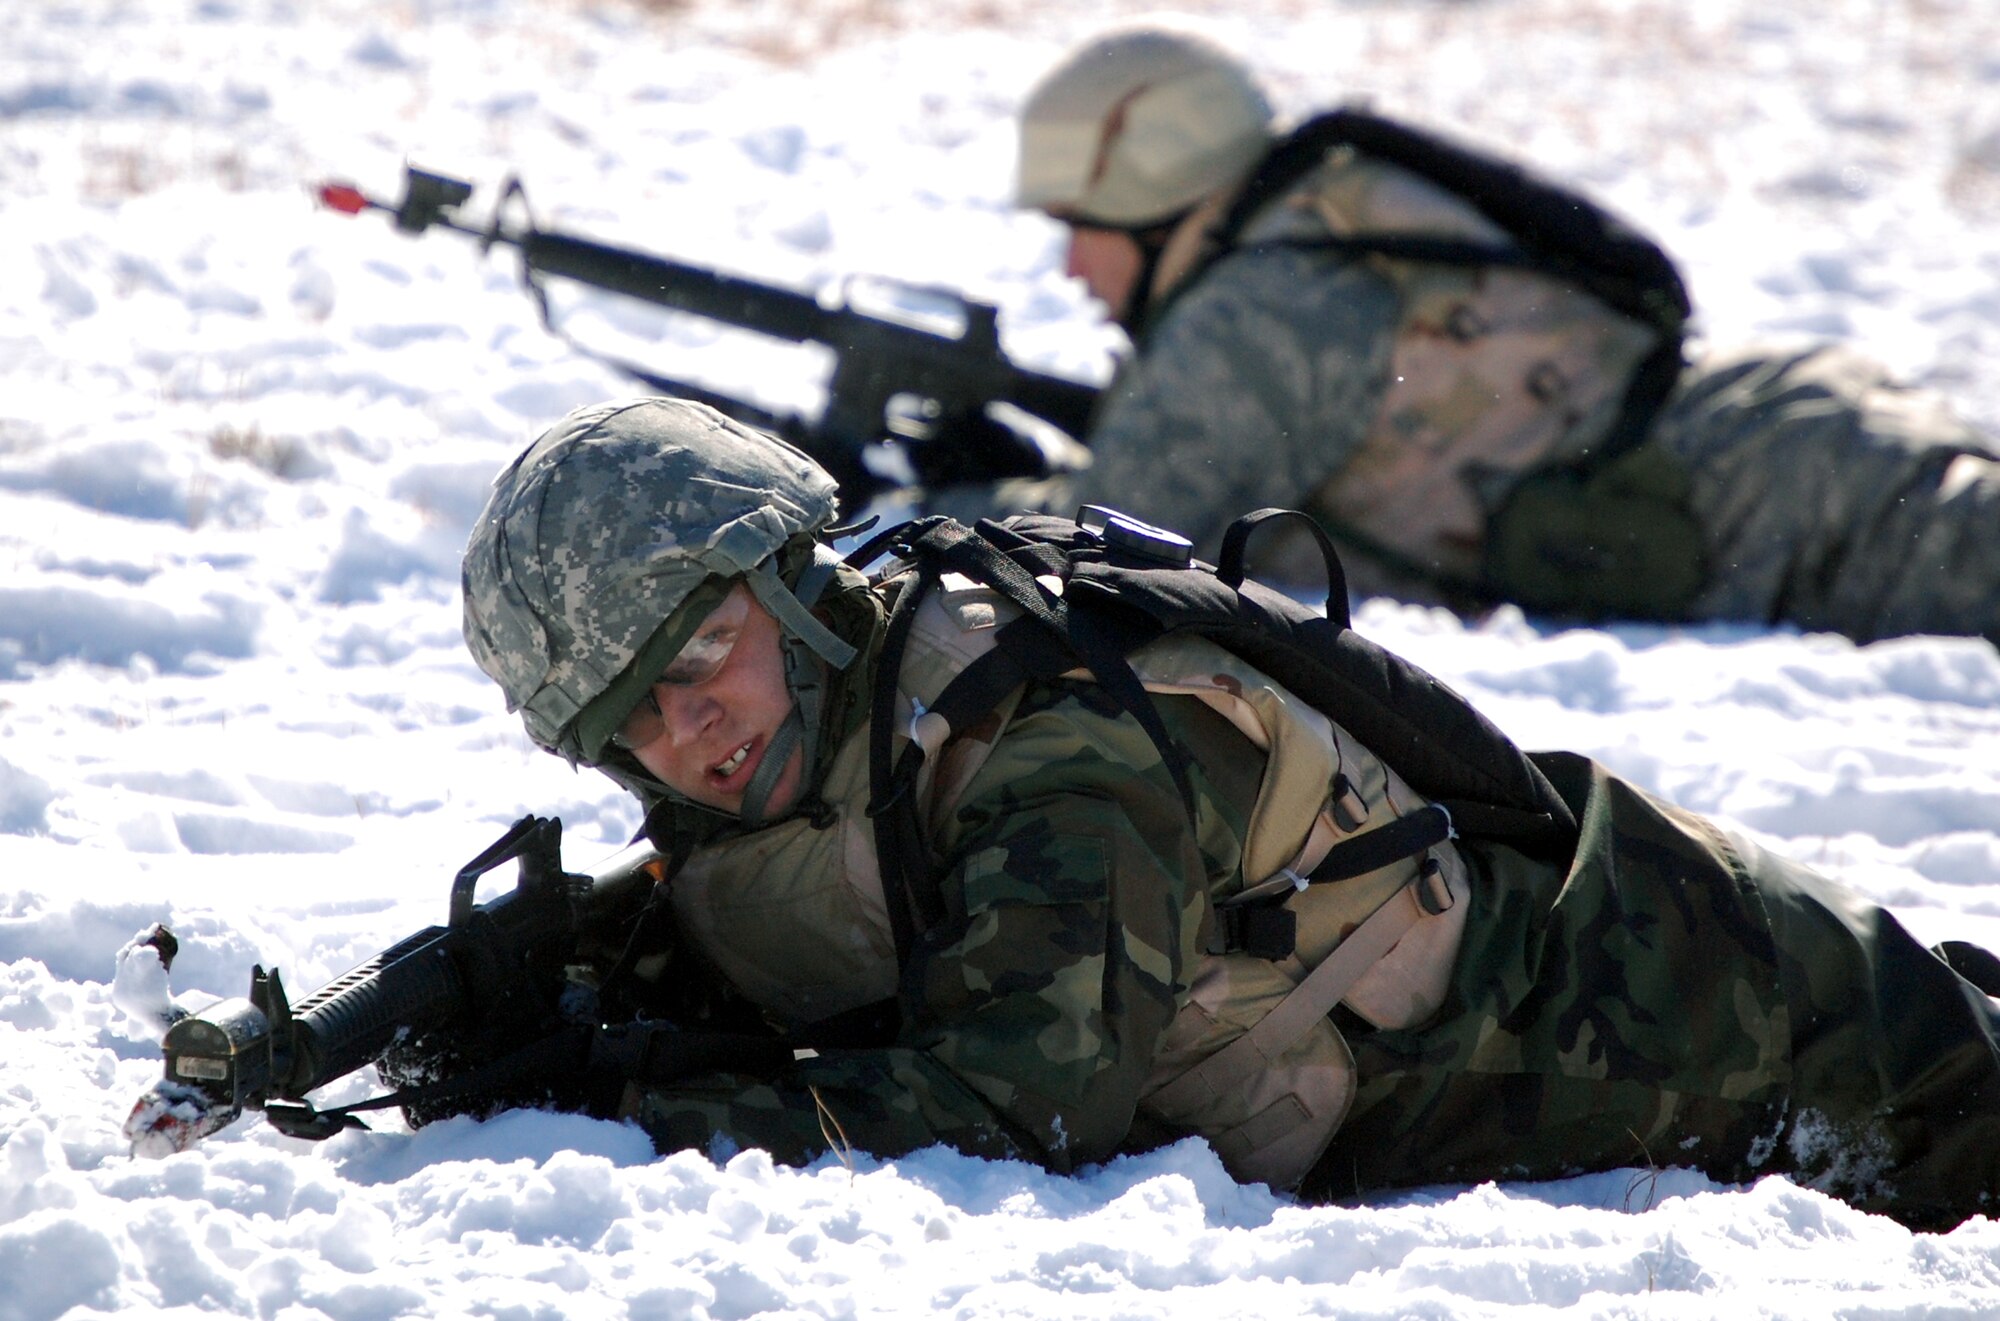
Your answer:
<point x="730" y="765"/>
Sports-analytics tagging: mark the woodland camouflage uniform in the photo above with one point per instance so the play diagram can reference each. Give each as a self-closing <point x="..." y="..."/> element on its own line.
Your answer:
<point x="1673" y="997"/>
<point x="1666" y="995"/>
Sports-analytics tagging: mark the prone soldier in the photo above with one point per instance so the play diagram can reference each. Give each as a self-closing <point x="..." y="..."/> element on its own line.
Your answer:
<point x="1473" y="377"/>
<point x="1088" y="898"/>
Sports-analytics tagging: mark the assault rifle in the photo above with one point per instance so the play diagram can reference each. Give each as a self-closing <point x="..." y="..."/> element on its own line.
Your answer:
<point x="904" y="402"/>
<point x="483" y="1012"/>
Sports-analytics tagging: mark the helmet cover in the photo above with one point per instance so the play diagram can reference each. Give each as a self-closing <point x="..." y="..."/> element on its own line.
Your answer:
<point x="1138" y="125"/>
<point x="604" y="526"/>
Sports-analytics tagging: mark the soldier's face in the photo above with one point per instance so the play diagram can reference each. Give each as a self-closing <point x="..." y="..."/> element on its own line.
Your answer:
<point x="711" y="735"/>
<point x="1108" y="262"/>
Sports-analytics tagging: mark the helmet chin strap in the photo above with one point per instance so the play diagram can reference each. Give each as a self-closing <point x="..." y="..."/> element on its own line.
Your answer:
<point x="807" y="644"/>
<point x="757" y="794"/>
<point x="1151" y="240"/>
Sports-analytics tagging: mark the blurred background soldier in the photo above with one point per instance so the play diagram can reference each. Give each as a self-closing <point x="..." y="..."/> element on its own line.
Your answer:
<point x="1471" y="376"/>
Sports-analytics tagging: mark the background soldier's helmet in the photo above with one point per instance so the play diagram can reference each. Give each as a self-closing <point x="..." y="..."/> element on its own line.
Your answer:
<point x="605" y="525"/>
<point x="1137" y="126"/>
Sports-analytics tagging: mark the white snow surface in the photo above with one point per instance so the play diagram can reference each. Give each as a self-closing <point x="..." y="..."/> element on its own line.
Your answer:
<point x="242" y="439"/>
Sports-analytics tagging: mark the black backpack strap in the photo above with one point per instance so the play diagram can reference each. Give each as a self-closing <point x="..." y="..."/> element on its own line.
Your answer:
<point x="896" y="838"/>
<point x="1258" y="923"/>
<point x="1406" y="836"/>
<point x="933" y="545"/>
<point x="1094" y="645"/>
<point x="1236" y="544"/>
<point x="1047" y="640"/>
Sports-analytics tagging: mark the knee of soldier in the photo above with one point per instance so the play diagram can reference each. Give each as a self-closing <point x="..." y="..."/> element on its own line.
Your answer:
<point x="1874" y="1013"/>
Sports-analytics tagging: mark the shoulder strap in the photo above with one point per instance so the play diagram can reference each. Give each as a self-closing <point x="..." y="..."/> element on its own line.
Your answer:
<point x="1046" y="641"/>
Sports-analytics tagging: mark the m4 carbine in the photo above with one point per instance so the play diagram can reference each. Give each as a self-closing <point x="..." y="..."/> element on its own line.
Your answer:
<point x="484" y="1012"/>
<point x="898" y="388"/>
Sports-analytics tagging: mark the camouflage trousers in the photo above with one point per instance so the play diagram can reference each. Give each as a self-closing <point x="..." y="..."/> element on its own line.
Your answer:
<point x="1830" y="497"/>
<point x="1677" y="997"/>
<point x="1800" y="488"/>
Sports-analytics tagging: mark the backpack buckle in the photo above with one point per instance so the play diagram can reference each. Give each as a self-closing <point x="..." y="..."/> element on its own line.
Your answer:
<point x="1263" y="931"/>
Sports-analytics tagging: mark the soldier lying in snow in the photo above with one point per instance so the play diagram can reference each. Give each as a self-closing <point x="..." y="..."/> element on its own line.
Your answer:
<point x="1044" y="880"/>
<point x="1471" y="376"/>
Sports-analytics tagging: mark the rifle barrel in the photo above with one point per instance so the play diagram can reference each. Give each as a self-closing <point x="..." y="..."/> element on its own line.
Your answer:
<point x="780" y="313"/>
<point x="790" y="315"/>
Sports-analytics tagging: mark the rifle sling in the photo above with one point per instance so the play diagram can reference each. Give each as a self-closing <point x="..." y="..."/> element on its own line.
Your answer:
<point x="645" y="1052"/>
<point x="565" y="1050"/>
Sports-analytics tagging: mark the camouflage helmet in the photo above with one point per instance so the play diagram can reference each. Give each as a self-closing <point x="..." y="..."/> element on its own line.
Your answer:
<point x="595" y="535"/>
<point x="1138" y="125"/>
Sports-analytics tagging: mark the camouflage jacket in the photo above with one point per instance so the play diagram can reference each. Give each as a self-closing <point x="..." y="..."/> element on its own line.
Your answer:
<point x="1056" y="808"/>
<point x="1426" y="412"/>
<point x="1076" y="892"/>
<point x="1398" y="399"/>
<point x="1037" y="1016"/>
<point x="1663" y="994"/>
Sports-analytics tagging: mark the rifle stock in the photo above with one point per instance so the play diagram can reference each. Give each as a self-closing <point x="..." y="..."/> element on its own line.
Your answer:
<point x="895" y="385"/>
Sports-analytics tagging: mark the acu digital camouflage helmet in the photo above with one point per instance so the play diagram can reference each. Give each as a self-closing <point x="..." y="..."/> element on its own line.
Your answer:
<point x="605" y="526"/>
<point x="1138" y="125"/>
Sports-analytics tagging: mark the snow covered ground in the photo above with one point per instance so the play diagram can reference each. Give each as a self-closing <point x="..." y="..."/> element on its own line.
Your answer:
<point x="241" y="441"/>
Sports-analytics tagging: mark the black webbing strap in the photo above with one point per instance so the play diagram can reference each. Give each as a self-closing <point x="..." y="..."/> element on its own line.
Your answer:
<point x="1406" y="836"/>
<point x="1022" y="650"/>
<point x="1265" y="928"/>
<point x="975" y="556"/>
<point x="1106" y="659"/>
<point x="1427" y="827"/>
<point x="1047" y="640"/>
<point x="1037" y="557"/>
<point x="979" y="559"/>
<point x="935" y="545"/>
<point x="1095" y="645"/>
<point x="896" y="841"/>
<point x="1229" y="566"/>
<point x="898" y="538"/>
<point x="559" y="1055"/>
